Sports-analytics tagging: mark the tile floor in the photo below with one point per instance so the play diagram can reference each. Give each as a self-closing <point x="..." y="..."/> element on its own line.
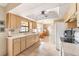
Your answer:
<point x="45" y="48"/>
<point x="42" y="48"/>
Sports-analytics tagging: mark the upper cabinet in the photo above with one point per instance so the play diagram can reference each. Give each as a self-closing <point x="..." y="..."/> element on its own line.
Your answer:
<point x="34" y="25"/>
<point x="18" y="21"/>
<point x="70" y="18"/>
<point x="24" y="26"/>
<point x="12" y="21"/>
<point x="70" y="12"/>
<point x="30" y="25"/>
<point x="72" y="24"/>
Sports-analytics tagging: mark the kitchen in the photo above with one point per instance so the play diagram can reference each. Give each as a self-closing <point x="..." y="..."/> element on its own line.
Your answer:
<point x="20" y="32"/>
<point x="25" y="24"/>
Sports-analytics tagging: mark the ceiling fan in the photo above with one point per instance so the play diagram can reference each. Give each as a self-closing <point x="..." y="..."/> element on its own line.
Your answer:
<point x="46" y="12"/>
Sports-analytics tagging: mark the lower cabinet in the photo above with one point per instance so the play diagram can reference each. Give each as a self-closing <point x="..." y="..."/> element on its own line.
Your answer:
<point x="17" y="45"/>
<point x="23" y="42"/>
<point x="28" y="41"/>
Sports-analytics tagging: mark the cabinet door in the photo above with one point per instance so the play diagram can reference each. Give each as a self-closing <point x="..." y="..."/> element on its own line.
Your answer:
<point x="16" y="46"/>
<point x="72" y="24"/>
<point x="13" y="21"/>
<point x="22" y="43"/>
<point x="18" y="21"/>
<point x="28" y="41"/>
<point x="8" y="20"/>
<point x="33" y="39"/>
<point x="34" y="25"/>
<point x="30" y="25"/>
<point x="71" y="11"/>
<point x="37" y="38"/>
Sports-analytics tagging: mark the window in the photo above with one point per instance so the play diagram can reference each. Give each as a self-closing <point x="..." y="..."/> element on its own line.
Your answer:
<point x="24" y="27"/>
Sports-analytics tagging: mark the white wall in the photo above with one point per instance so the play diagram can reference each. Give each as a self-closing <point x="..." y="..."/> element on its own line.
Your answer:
<point x="59" y="31"/>
<point x="51" y="34"/>
<point x="40" y="27"/>
<point x="2" y="34"/>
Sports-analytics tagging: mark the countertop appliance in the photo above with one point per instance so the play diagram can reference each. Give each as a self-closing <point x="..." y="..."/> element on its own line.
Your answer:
<point x="69" y="36"/>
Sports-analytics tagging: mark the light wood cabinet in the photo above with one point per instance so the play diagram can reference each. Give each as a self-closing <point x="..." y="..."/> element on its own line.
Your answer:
<point x="34" y="25"/>
<point x="70" y="12"/>
<point x="37" y="38"/>
<point x="72" y="24"/>
<point x="30" y="26"/>
<point x="8" y="21"/>
<point x="23" y="42"/>
<point x="18" y="21"/>
<point x="12" y="21"/>
<point x="28" y="41"/>
<point x="13" y="46"/>
<point x="16" y="46"/>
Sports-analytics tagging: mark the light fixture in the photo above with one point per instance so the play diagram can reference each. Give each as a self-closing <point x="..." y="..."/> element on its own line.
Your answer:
<point x="44" y="13"/>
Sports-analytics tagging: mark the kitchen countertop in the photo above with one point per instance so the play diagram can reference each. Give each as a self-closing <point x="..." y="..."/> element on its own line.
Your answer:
<point x="70" y="49"/>
<point x="21" y="35"/>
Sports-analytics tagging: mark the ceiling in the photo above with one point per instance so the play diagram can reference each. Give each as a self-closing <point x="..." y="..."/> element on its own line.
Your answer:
<point x="3" y="4"/>
<point x="33" y="10"/>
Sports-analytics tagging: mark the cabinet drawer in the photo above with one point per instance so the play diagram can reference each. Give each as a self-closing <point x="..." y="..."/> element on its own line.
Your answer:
<point x="28" y="44"/>
<point x="16" y="46"/>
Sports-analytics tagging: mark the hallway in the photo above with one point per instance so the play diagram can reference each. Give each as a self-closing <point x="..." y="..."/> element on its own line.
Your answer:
<point x="44" y="48"/>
